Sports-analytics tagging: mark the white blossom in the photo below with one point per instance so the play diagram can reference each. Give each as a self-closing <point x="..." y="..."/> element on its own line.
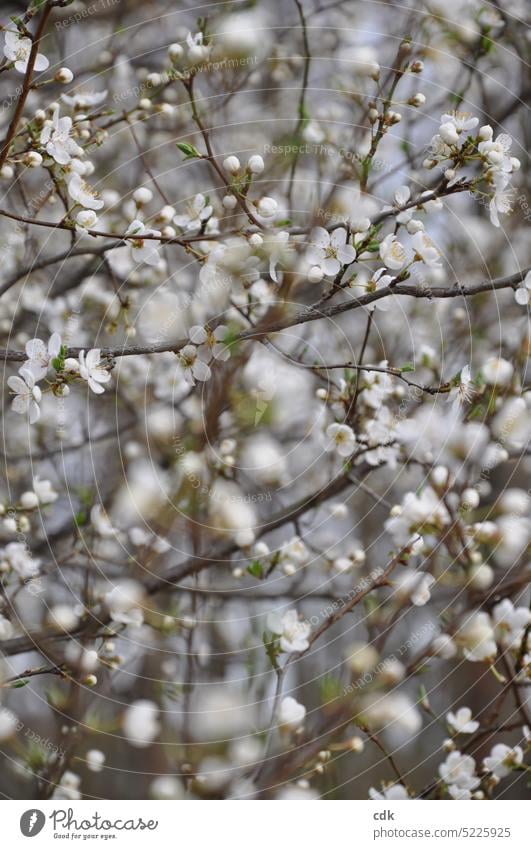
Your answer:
<point x="503" y="759"/>
<point x="459" y="771"/>
<point x="341" y="438"/>
<point x="27" y="394"/>
<point x="82" y="193"/>
<point x="414" y="586"/>
<point x="465" y="390"/>
<point x="56" y="137"/>
<point x="330" y="251"/>
<point x="476" y="637"/>
<point x="210" y="342"/>
<point x="141" y="723"/>
<point x="198" y="213"/>
<point x="192" y="361"/>
<point x="143" y="250"/>
<point x="293" y="632"/>
<point x="393" y="253"/>
<point x="40" y="356"/>
<point x="391" y="793"/>
<point x="17" y="49"/>
<point x="16" y="556"/>
<point x="291" y="713"/>
<point x="93" y="370"/>
<point x="462" y="722"/>
<point x="522" y="294"/>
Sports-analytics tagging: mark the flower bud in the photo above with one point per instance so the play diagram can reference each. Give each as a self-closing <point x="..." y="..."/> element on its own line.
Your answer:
<point x="255" y="164"/>
<point x="231" y="165"/>
<point x="63" y="75"/>
<point x="142" y="196"/>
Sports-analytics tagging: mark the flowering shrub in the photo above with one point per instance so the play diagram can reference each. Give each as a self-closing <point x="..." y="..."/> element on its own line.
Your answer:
<point x="264" y="303"/>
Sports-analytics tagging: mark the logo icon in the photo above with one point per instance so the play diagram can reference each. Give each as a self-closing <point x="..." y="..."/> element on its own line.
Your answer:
<point x="32" y="822"/>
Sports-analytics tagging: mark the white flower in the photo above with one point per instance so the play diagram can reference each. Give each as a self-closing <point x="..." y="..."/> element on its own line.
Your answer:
<point x="6" y="631"/>
<point x="232" y="165"/>
<point x="124" y="602"/>
<point x="267" y="207"/>
<point x="522" y="295"/>
<point x="44" y="491"/>
<point x="255" y="164"/>
<point x="291" y="713"/>
<point x="68" y="787"/>
<point x="496" y="152"/>
<point x="193" y="365"/>
<point x="402" y="197"/>
<point x="497" y="371"/>
<point x="330" y="252"/>
<point x="166" y="787"/>
<point x="143" y="250"/>
<point x="140" y="723"/>
<point x="8" y="723"/>
<point x="426" y="250"/>
<point x="342" y="439"/>
<point x="56" y="138"/>
<point x="392" y="711"/>
<point x="455" y="127"/>
<point x="278" y="245"/>
<point x="476" y="637"/>
<point x="377" y="386"/>
<point x="414" y="514"/>
<point x="84" y="99"/>
<point x="512" y="424"/>
<point x="92" y="370"/>
<point x="197" y="50"/>
<point x="464" y="391"/>
<point x="100" y="521"/>
<point x="95" y="760"/>
<point x="462" y="721"/>
<point x="295" y="550"/>
<point x="86" y="219"/>
<point x="391" y="793"/>
<point x="27" y="394"/>
<point x="292" y="631"/>
<point x="443" y="646"/>
<point x="198" y="212"/>
<point x="501" y="200"/>
<point x="415" y="586"/>
<point x="502" y="760"/>
<point x="392" y="253"/>
<point x="210" y="342"/>
<point x="510" y="623"/>
<point x="39" y="357"/>
<point x="380" y="280"/>
<point x="82" y="193"/>
<point x="460" y="771"/>
<point x="17" y="49"/>
<point x="17" y="556"/>
<point x="62" y="617"/>
<point x="461" y="793"/>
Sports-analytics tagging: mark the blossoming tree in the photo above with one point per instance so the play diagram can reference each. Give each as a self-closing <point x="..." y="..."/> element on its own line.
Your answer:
<point x="265" y="511"/>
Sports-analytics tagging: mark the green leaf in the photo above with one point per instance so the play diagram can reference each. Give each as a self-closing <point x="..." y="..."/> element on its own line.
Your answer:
<point x="189" y="150"/>
<point x="272" y="648"/>
<point x="407" y="367"/>
<point x="255" y="569"/>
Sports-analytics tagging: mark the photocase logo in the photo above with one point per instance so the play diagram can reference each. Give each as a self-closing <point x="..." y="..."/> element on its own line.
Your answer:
<point x="32" y="822"/>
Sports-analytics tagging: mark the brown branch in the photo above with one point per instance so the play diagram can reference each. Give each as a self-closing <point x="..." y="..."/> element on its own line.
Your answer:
<point x="26" y="85"/>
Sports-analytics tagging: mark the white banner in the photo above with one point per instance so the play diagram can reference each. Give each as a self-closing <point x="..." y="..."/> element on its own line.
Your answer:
<point x="355" y="824"/>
